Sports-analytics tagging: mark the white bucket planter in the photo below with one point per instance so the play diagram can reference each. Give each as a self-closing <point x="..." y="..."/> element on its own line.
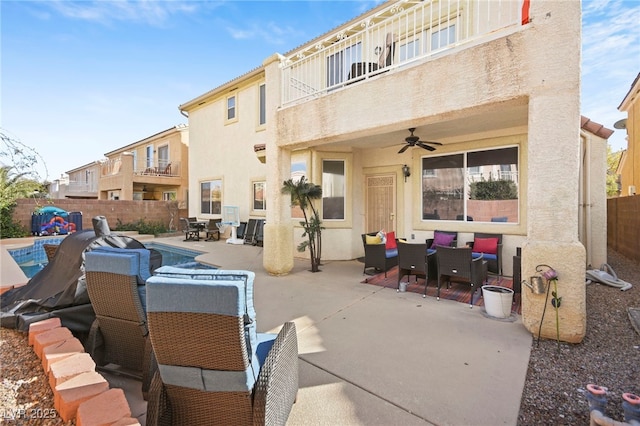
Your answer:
<point x="497" y="300"/>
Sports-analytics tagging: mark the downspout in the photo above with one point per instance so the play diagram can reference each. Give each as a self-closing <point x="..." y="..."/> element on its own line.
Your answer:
<point x="585" y="140"/>
<point x="183" y="113"/>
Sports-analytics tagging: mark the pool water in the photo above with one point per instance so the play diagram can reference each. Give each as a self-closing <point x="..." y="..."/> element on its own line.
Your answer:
<point x="33" y="259"/>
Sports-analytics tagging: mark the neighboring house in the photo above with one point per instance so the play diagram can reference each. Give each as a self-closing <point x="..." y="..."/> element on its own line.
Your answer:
<point x="630" y="161"/>
<point x="153" y="168"/>
<point x="496" y="83"/>
<point x="79" y="183"/>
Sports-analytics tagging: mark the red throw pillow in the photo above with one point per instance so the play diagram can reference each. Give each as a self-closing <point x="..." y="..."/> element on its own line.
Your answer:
<point x="485" y="245"/>
<point x="391" y="241"/>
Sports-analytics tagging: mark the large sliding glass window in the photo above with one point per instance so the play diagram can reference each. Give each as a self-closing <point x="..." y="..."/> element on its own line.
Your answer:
<point x="479" y="186"/>
<point x="211" y="197"/>
<point x="333" y="189"/>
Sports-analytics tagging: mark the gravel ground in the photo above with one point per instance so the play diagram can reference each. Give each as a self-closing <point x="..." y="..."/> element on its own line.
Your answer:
<point x="609" y="356"/>
<point x="553" y="393"/>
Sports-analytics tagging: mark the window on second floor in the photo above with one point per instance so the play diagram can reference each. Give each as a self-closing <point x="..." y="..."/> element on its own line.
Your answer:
<point x="231" y="108"/>
<point x="339" y="64"/>
<point x="149" y="152"/>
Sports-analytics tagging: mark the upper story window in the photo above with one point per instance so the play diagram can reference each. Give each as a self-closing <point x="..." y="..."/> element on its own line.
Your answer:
<point x="339" y="64"/>
<point x="149" y="152"/>
<point x="333" y="189"/>
<point x="231" y="108"/>
<point x="472" y="186"/>
<point x="262" y="104"/>
<point x="163" y="156"/>
<point x="442" y="35"/>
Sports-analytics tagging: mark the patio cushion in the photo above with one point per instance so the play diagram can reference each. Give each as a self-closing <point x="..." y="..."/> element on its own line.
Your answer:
<point x="391" y="240"/>
<point x="441" y="239"/>
<point x="485" y="245"/>
<point x="486" y="256"/>
<point x="120" y="261"/>
<point x="190" y="290"/>
<point x="218" y="380"/>
<point x="373" y="239"/>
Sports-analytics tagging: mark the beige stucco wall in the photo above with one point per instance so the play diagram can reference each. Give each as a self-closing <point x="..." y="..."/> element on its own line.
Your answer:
<point x="535" y="70"/>
<point x="224" y="150"/>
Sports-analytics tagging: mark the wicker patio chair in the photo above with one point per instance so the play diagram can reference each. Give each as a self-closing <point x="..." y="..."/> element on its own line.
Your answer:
<point x="115" y="279"/>
<point x="213" y="367"/>
<point x="50" y="250"/>
<point x="439" y="238"/>
<point x="491" y="250"/>
<point x="412" y="260"/>
<point x="377" y="256"/>
<point x="457" y="264"/>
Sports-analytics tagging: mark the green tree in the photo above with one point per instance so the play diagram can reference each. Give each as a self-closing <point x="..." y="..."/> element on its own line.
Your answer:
<point x="613" y="179"/>
<point x="303" y="193"/>
<point x="18" y="179"/>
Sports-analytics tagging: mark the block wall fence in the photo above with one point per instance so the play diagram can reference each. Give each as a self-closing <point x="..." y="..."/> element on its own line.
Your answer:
<point x="623" y="226"/>
<point x="126" y="211"/>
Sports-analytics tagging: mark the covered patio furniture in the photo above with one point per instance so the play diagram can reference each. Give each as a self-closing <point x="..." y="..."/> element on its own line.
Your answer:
<point x="490" y="247"/>
<point x="213" y="232"/>
<point x="376" y="253"/>
<point x="213" y="366"/>
<point x="115" y="280"/>
<point x="412" y="260"/>
<point x="191" y="231"/>
<point x="457" y="264"/>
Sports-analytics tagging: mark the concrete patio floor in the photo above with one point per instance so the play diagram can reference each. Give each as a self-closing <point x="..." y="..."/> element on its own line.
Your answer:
<point x="372" y="356"/>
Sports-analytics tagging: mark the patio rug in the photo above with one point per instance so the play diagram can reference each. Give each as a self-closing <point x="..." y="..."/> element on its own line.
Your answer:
<point x="458" y="291"/>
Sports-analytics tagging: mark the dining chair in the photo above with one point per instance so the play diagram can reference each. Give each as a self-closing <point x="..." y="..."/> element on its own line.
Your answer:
<point x="191" y="232"/>
<point x="213" y="366"/>
<point x="412" y="260"/>
<point x="213" y="231"/>
<point x="457" y="264"/>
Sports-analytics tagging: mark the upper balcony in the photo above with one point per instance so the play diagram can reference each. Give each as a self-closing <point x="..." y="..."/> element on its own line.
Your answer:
<point x="150" y="168"/>
<point x="392" y="37"/>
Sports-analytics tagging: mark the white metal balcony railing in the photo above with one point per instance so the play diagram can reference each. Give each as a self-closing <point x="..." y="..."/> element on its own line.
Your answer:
<point x="402" y="33"/>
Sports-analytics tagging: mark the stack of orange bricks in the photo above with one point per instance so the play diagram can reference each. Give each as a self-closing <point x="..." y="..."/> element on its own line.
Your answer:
<point x="80" y="392"/>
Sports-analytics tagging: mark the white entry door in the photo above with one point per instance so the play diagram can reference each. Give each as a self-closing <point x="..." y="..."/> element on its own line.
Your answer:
<point x="380" y="199"/>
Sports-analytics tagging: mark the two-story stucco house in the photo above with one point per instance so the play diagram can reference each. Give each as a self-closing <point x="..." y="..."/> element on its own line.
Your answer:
<point x="495" y="84"/>
<point x="629" y="168"/>
<point x="153" y="168"/>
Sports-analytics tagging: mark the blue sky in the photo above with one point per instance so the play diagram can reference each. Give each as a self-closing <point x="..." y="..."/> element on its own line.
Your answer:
<point x="83" y="78"/>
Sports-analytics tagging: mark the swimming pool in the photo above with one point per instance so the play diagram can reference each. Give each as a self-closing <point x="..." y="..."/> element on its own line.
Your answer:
<point x="33" y="258"/>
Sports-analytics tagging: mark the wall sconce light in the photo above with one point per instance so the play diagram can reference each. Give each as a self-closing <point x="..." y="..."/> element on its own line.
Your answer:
<point x="406" y="172"/>
<point x="377" y="50"/>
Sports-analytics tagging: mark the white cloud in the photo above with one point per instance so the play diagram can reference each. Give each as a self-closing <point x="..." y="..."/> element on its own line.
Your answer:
<point x="150" y="12"/>
<point x="610" y="60"/>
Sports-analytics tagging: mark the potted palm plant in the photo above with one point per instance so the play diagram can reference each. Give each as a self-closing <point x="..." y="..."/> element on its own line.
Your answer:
<point x="303" y="193"/>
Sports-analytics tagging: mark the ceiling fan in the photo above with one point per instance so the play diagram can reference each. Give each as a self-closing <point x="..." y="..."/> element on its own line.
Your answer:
<point x="415" y="141"/>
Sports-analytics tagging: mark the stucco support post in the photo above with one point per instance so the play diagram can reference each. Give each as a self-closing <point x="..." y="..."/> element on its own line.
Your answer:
<point x="553" y="163"/>
<point x="277" y="256"/>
